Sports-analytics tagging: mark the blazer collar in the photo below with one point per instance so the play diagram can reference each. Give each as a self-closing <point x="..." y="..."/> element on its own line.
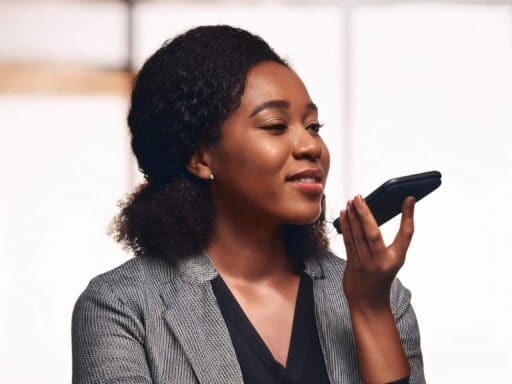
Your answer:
<point x="198" y="269"/>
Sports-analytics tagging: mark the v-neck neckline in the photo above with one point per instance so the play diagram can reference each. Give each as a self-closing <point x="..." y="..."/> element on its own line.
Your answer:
<point x="300" y="335"/>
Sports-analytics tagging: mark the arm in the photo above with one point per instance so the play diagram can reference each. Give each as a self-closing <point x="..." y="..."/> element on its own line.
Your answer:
<point x="407" y="326"/>
<point x="107" y="339"/>
<point x="367" y="283"/>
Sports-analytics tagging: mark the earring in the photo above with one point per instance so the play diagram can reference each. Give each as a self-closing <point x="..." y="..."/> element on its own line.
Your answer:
<point x="211" y="176"/>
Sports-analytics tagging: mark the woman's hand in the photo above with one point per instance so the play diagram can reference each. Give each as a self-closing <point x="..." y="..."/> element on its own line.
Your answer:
<point x="371" y="266"/>
<point x="370" y="271"/>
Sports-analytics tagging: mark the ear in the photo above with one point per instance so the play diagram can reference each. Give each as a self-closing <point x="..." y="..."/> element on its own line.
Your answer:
<point x="199" y="164"/>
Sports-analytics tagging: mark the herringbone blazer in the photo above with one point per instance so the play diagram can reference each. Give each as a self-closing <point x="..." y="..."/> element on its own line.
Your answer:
<point x="148" y="321"/>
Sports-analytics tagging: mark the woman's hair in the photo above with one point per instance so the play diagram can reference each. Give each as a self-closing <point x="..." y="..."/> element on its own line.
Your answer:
<point x="181" y="97"/>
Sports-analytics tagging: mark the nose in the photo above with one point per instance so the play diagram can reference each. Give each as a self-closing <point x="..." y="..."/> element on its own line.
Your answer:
<point x="307" y="145"/>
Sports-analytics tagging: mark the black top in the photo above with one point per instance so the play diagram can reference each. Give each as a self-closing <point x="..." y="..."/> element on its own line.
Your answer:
<point x="305" y="362"/>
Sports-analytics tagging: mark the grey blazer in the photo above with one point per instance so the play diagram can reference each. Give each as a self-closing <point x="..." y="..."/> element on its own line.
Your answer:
<point x="148" y="321"/>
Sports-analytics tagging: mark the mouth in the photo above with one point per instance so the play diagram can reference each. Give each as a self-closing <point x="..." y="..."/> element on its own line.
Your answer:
<point x="309" y="181"/>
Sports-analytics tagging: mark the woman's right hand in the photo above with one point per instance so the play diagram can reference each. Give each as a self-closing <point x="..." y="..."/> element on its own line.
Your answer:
<point x="371" y="265"/>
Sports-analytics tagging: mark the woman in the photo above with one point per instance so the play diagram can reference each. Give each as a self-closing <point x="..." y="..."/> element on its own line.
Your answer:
<point x="234" y="281"/>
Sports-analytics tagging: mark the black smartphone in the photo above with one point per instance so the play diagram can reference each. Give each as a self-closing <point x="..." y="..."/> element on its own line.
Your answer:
<point x="386" y="201"/>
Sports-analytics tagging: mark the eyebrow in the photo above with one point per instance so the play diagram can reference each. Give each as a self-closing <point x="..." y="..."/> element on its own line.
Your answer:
<point x="282" y="104"/>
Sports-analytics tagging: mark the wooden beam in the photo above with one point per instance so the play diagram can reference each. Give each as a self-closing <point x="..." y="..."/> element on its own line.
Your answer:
<point x="53" y="79"/>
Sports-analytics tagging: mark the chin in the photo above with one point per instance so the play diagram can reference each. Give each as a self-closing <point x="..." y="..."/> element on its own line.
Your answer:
<point x="305" y="217"/>
<point x="301" y="212"/>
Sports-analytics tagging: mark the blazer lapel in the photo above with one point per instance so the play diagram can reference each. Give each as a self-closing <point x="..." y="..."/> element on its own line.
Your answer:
<point x="194" y="317"/>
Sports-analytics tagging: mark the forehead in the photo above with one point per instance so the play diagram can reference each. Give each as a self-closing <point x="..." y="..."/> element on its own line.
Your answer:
<point x="272" y="81"/>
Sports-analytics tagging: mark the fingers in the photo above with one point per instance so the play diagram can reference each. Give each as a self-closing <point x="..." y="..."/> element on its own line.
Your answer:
<point x="406" y="230"/>
<point x="369" y="226"/>
<point x="362" y="236"/>
<point x="358" y="233"/>
<point x="347" y="236"/>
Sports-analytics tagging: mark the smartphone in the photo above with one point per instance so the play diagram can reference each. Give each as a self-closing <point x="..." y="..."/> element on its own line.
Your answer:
<point x="386" y="201"/>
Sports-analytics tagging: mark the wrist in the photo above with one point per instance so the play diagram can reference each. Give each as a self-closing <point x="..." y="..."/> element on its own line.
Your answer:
<point x="372" y="319"/>
<point x="380" y="352"/>
<point x="374" y="308"/>
<point x="366" y="297"/>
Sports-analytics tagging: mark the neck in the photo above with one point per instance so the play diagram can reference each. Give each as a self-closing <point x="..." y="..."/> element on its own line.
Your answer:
<point x="248" y="251"/>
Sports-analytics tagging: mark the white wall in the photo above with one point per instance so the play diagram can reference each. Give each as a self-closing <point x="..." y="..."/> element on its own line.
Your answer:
<point x="63" y="167"/>
<point x="429" y="87"/>
<point x="80" y="32"/>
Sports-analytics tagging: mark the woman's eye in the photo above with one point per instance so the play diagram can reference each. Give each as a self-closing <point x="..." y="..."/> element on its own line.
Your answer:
<point x="315" y="126"/>
<point x="275" y="127"/>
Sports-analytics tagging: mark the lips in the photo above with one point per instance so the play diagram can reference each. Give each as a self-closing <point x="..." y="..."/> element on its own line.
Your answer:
<point x="312" y="175"/>
<point x="308" y="181"/>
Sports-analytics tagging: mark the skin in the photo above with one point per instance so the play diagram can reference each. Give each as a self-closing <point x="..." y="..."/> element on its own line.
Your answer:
<point x="260" y="147"/>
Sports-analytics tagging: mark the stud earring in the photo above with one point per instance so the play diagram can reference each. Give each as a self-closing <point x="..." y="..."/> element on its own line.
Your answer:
<point x="211" y="176"/>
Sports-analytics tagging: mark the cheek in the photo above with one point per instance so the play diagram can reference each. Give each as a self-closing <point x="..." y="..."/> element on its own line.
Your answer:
<point x="263" y="159"/>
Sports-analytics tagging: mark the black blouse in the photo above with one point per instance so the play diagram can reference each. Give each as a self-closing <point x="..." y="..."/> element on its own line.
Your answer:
<point x="305" y="363"/>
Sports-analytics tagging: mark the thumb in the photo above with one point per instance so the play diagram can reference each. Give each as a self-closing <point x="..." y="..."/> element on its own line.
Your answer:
<point x="406" y="230"/>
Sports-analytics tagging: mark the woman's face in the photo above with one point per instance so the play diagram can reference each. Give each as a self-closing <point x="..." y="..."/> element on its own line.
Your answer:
<point x="266" y="144"/>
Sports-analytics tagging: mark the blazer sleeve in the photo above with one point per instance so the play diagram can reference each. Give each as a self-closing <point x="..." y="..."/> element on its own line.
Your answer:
<point x="107" y="339"/>
<point x="408" y="330"/>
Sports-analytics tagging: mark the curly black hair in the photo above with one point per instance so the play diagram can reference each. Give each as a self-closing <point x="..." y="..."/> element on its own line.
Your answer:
<point x="181" y="96"/>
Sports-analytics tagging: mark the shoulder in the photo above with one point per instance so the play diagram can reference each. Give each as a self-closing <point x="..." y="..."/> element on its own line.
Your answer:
<point x="131" y="281"/>
<point x="137" y="270"/>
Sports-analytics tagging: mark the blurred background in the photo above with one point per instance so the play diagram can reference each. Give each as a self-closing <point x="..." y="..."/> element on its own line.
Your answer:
<point x="402" y="87"/>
